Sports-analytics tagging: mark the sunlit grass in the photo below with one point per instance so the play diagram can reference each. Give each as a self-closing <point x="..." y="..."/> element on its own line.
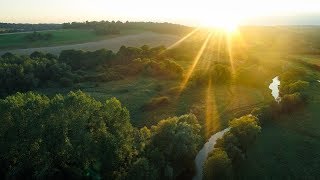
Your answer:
<point x="195" y="62"/>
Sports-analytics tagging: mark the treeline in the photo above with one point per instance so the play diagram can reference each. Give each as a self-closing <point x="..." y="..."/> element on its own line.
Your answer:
<point x="107" y="27"/>
<point x="12" y="27"/>
<point x="24" y="73"/>
<point x="77" y="137"/>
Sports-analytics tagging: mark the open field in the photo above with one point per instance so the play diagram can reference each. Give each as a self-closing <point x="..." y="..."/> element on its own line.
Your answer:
<point x="59" y="37"/>
<point x="111" y="43"/>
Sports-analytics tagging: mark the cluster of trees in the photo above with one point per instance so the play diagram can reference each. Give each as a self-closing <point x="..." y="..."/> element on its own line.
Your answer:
<point x="293" y="90"/>
<point x="36" y="36"/>
<point x="12" y="27"/>
<point x="116" y="27"/>
<point x="218" y="74"/>
<point x="23" y="73"/>
<point x="127" y="61"/>
<point x="107" y="30"/>
<point x="293" y="95"/>
<point x="77" y="137"/>
<point x="157" y="68"/>
<point x="85" y="60"/>
<point x="231" y="149"/>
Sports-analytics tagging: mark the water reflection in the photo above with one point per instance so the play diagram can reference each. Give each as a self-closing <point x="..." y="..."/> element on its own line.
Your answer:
<point x="274" y="86"/>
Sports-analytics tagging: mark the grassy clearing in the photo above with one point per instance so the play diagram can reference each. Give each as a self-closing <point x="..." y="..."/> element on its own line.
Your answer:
<point x="135" y="93"/>
<point x="59" y="37"/>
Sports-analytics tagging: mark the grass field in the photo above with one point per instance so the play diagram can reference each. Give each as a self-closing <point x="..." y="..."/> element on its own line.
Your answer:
<point x="130" y="38"/>
<point x="59" y="37"/>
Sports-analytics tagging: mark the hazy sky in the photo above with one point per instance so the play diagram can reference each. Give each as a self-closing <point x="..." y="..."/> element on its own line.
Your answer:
<point x="177" y="11"/>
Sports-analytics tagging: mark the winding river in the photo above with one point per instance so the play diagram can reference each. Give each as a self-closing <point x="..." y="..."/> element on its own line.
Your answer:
<point x="203" y="153"/>
<point x="209" y="146"/>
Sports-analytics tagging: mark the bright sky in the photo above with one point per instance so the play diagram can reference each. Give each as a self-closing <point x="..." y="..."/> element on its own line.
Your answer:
<point x="177" y="11"/>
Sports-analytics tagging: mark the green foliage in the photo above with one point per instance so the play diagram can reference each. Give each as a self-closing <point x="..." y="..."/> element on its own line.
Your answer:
<point x="142" y="169"/>
<point x="162" y="69"/>
<point x="79" y="59"/>
<point x="230" y="143"/>
<point x="293" y="95"/>
<point x="292" y="74"/>
<point x="243" y="132"/>
<point x="231" y="149"/>
<point x="298" y="86"/>
<point x="217" y="73"/>
<point x="217" y="166"/>
<point x="69" y="136"/>
<point x="38" y="54"/>
<point x="107" y="29"/>
<point x="174" y="144"/>
<point x="22" y="73"/>
<point x="245" y="129"/>
<point x="128" y="54"/>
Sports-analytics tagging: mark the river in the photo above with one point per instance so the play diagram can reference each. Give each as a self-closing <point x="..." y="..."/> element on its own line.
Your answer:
<point x="274" y="86"/>
<point x="203" y="153"/>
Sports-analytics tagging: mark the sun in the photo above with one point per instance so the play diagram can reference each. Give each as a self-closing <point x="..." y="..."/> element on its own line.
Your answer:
<point x="225" y="23"/>
<point x="229" y="27"/>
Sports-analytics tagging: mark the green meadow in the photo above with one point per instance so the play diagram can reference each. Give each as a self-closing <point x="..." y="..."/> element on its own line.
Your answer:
<point x="59" y="37"/>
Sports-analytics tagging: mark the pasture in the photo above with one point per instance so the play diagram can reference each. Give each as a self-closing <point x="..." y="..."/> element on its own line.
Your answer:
<point x="59" y="37"/>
